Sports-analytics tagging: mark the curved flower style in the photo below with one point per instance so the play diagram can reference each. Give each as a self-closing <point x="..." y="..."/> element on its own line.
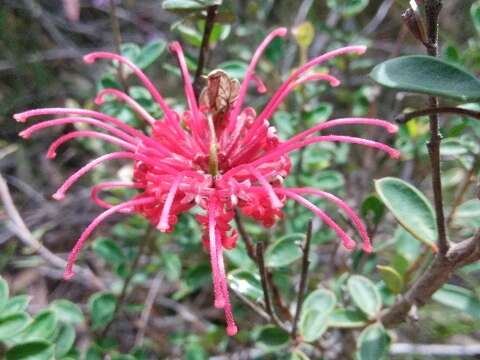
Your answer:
<point x="217" y="155"/>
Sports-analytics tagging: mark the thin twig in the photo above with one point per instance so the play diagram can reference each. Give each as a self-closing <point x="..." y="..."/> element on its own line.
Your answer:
<point x="266" y="292"/>
<point x="432" y="11"/>
<point x="18" y="226"/>
<point x="147" y="310"/>
<point x="244" y="236"/>
<point x="204" y="47"/>
<point x="117" y="39"/>
<point x="123" y="294"/>
<point x="303" y="279"/>
<point x="403" y="118"/>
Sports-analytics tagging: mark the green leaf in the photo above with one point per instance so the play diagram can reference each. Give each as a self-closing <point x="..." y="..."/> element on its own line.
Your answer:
<point x="348" y="7"/>
<point x="469" y="209"/>
<point x="458" y="298"/>
<point x="150" y="53"/>
<point x="67" y="312"/>
<point x="34" y="350"/>
<point x="316" y="309"/>
<point x="3" y="293"/>
<point x="364" y="294"/>
<point x="12" y="324"/>
<point x="272" y="337"/>
<point x="108" y="250"/>
<point x="410" y="207"/>
<point x="320" y="300"/>
<point x="373" y="343"/>
<point x="246" y="283"/>
<point x="16" y="304"/>
<point x="64" y="340"/>
<point x="372" y="207"/>
<point x="188" y="5"/>
<point x="235" y="69"/>
<point x="475" y="13"/>
<point x="313" y="324"/>
<point x="346" y="318"/>
<point x="101" y="306"/>
<point x="282" y="252"/>
<point x="427" y="75"/>
<point x="42" y="327"/>
<point x="391" y="278"/>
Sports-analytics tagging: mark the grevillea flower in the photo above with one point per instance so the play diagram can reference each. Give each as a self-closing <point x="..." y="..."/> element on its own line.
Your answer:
<point x="217" y="155"/>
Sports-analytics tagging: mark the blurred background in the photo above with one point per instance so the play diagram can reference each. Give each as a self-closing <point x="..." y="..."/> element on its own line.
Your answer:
<point x="41" y="47"/>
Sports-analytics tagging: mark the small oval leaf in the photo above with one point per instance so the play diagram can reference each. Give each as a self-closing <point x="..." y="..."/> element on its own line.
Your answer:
<point x="272" y="337"/>
<point x="67" y="311"/>
<point x="364" y="294"/>
<point x="410" y="207"/>
<point x="102" y="306"/>
<point x="3" y="293"/>
<point x="33" y="350"/>
<point x="391" y="278"/>
<point x="246" y="283"/>
<point x="64" y="340"/>
<point x="42" y="327"/>
<point x="282" y="253"/>
<point x="320" y="300"/>
<point x="427" y="75"/>
<point x="313" y="324"/>
<point x="16" y="304"/>
<point x="346" y="318"/>
<point x="373" y="343"/>
<point x="12" y="324"/>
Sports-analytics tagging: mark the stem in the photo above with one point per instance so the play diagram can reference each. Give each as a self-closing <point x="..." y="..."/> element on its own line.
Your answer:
<point x="403" y="118"/>
<point x="432" y="10"/>
<point x="303" y="280"/>
<point x="204" y="47"/>
<point x="265" y="287"/>
<point x="117" y="39"/>
<point x="123" y="294"/>
<point x="244" y="236"/>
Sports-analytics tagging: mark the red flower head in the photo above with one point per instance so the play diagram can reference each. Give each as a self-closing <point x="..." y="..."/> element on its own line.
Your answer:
<point x="217" y="155"/>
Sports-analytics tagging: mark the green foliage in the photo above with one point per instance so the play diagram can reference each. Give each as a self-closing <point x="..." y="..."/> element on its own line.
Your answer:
<point x="410" y="207"/>
<point x="427" y="75"/>
<point x="373" y="343"/>
<point x="316" y="310"/>
<point x="364" y="295"/>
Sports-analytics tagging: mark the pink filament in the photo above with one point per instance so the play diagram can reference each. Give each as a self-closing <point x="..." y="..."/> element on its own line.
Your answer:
<point x="90" y="228"/>
<point x="288" y="147"/>
<point x="100" y="99"/>
<point x="231" y="326"/>
<point x="268" y="188"/>
<point x="51" y="153"/>
<point x="72" y="120"/>
<point x="367" y="247"/>
<point x="22" y="117"/>
<point x="163" y="224"/>
<point x="111" y="185"/>
<point x="249" y="73"/>
<point x="217" y="288"/>
<point x="92" y="57"/>
<point x="60" y="193"/>
<point x="391" y="128"/>
<point x="347" y="241"/>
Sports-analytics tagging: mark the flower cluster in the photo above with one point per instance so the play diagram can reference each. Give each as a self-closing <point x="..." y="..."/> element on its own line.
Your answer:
<point x="217" y="155"/>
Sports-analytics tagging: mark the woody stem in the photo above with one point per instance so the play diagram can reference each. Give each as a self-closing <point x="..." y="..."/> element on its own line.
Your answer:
<point x="213" y="158"/>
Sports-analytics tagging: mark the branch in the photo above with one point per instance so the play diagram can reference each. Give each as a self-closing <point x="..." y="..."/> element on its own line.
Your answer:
<point x="17" y="225"/>
<point x="244" y="236"/>
<point x="123" y="294"/>
<point x="117" y="39"/>
<point x="204" y="47"/>
<point x="403" y="118"/>
<point x="303" y="280"/>
<point x="437" y="274"/>
<point x="265" y="287"/>
<point x="432" y="11"/>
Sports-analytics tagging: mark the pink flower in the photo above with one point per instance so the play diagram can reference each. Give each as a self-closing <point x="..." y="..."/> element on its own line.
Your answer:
<point x="218" y="155"/>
